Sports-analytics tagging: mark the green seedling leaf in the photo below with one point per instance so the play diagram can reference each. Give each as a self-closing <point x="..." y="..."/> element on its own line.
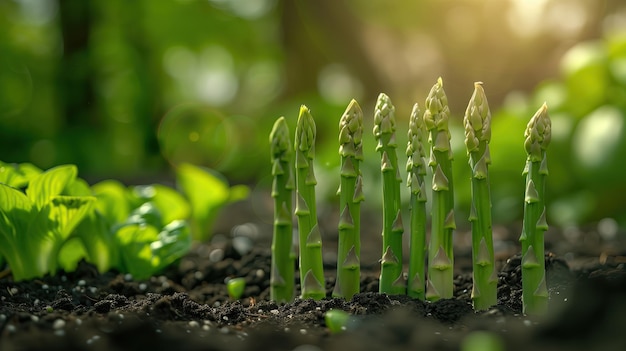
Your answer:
<point x="235" y="287"/>
<point x="207" y="193"/>
<point x="170" y="202"/>
<point x="145" y="249"/>
<point x="50" y="183"/>
<point x="113" y="201"/>
<point x="71" y="253"/>
<point x="17" y="175"/>
<point x="336" y="320"/>
<point x="31" y="235"/>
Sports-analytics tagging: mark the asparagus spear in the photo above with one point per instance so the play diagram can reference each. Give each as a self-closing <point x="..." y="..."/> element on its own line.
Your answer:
<point x="416" y="169"/>
<point x="477" y="122"/>
<point x="311" y="266"/>
<point x="440" y="254"/>
<point x="350" y="197"/>
<point x="534" y="290"/>
<point x="282" y="274"/>
<point x="391" y="279"/>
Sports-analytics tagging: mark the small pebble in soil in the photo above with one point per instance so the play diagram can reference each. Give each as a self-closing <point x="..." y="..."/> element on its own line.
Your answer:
<point x="194" y="324"/>
<point x="216" y="255"/>
<point x="3" y="318"/>
<point x="45" y="286"/>
<point x="143" y="286"/>
<point x="307" y="347"/>
<point x="224" y="330"/>
<point x="34" y="318"/>
<point x="93" y="339"/>
<point x="36" y="302"/>
<point x="13" y="291"/>
<point x="128" y="277"/>
<point x="198" y="275"/>
<point x="58" y="324"/>
<point x="303" y="331"/>
<point x="11" y="328"/>
<point x="81" y="282"/>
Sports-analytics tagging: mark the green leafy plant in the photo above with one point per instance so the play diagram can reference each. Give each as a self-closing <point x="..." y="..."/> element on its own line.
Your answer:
<point x="537" y="138"/>
<point x="440" y="254"/>
<point x="35" y="225"/>
<point x="236" y="287"/>
<point x="312" y="280"/>
<point x="208" y="192"/>
<point x="477" y="122"/>
<point x="139" y="230"/>
<point x="416" y="169"/>
<point x="282" y="271"/>
<point x="391" y="279"/>
<point x="350" y="198"/>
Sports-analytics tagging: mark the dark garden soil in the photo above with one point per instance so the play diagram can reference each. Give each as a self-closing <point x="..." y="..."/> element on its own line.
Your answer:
<point x="187" y="307"/>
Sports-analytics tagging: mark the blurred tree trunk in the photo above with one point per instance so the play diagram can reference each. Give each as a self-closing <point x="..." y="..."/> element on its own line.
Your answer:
<point x="76" y="89"/>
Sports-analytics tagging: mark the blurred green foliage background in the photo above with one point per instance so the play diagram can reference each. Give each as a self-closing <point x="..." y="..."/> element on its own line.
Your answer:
<point x="126" y="89"/>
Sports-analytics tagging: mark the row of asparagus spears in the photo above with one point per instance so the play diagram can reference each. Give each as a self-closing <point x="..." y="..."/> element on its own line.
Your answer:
<point x="431" y="281"/>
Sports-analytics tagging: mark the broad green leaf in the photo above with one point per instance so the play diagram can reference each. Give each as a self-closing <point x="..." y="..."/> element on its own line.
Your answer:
<point x="205" y="190"/>
<point x="71" y="253"/>
<point x="17" y="175"/>
<point x="135" y="242"/>
<point x="78" y="187"/>
<point x="174" y="242"/>
<point x="112" y="200"/>
<point x="15" y="216"/>
<point x="170" y="202"/>
<point x="101" y="247"/>
<point x="50" y="183"/>
<point x="54" y="224"/>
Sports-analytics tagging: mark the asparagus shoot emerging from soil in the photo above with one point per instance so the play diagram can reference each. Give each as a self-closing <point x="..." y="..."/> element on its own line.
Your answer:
<point x="534" y="290"/>
<point x="391" y="278"/>
<point x="477" y="124"/>
<point x="311" y="266"/>
<point x="282" y="274"/>
<point x="416" y="169"/>
<point x="350" y="197"/>
<point x="440" y="254"/>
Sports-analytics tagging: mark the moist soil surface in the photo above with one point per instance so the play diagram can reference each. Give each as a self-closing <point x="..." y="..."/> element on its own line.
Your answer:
<point x="187" y="307"/>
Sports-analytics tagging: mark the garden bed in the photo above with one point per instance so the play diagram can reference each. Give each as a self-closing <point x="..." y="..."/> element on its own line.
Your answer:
<point x="188" y="308"/>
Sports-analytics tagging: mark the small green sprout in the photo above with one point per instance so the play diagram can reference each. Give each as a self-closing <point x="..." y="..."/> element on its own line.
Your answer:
<point x="350" y="198"/>
<point x="336" y="320"/>
<point x="416" y="169"/>
<point x="235" y="287"/>
<point x="311" y="265"/>
<point x="391" y="277"/>
<point x="477" y="122"/>
<point x="440" y="254"/>
<point x="537" y="138"/>
<point x="482" y="341"/>
<point x="282" y="271"/>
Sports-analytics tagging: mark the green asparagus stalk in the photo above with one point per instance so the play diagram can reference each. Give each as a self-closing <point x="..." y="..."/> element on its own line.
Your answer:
<point x="440" y="254"/>
<point x="534" y="290"/>
<point x="311" y="267"/>
<point x="477" y="122"/>
<point x="391" y="278"/>
<point x="350" y="197"/>
<point x="282" y="274"/>
<point x="416" y="169"/>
